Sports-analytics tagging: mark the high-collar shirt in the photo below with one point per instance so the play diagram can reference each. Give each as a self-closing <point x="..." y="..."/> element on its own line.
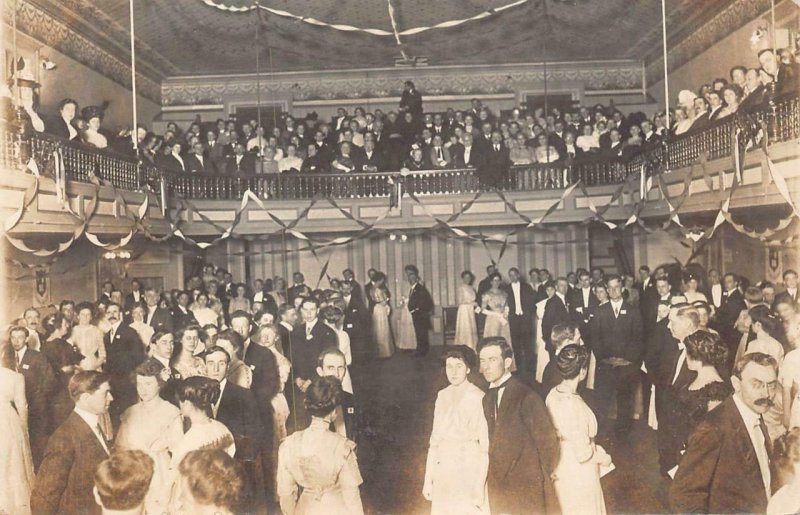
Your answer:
<point x="93" y="421"/>
<point x="752" y="421"/>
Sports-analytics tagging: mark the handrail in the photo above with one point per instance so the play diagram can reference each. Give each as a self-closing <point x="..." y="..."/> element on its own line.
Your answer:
<point x="83" y="164"/>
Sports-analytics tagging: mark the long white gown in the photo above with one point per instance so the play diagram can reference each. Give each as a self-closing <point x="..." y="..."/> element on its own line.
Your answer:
<point x="16" y="466"/>
<point x="407" y="339"/>
<point x="466" y="326"/>
<point x="578" y="471"/>
<point x="381" y="327"/>
<point x="458" y="456"/>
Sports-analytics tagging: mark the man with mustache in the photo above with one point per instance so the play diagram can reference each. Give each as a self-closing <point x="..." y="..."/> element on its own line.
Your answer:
<point x="726" y="468"/>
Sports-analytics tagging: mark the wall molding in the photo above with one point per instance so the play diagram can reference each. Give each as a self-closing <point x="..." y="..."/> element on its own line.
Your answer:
<point x="42" y="26"/>
<point x="388" y="82"/>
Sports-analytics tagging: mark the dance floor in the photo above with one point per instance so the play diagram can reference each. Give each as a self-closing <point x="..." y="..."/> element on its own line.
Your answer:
<point x="397" y="397"/>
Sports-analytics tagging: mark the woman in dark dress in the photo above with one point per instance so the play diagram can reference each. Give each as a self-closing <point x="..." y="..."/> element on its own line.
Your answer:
<point x="705" y="355"/>
<point x="64" y="358"/>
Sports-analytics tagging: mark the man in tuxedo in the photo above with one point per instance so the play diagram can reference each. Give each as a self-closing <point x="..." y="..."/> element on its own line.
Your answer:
<point x="644" y="282"/>
<point x="617" y="344"/>
<point x="173" y="161"/>
<point x="465" y="154"/>
<point x="215" y="153"/>
<point x="105" y="292"/>
<point x="523" y="445"/>
<point x="350" y="277"/>
<point x="196" y="161"/>
<point x="420" y="305"/>
<point x="727" y="467"/>
<point x="240" y="162"/>
<point x="370" y="160"/>
<point x="582" y="299"/>
<point x="182" y="316"/>
<point x="785" y="76"/>
<point x="715" y="104"/>
<point x="331" y="363"/>
<point x="308" y="340"/>
<point x="486" y="282"/>
<point x="493" y="168"/>
<point x="160" y="319"/>
<point x="439" y="155"/>
<point x="39" y="384"/>
<point x="135" y="297"/>
<point x="124" y="352"/>
<point x="238" y="409"/>
<point x="65" y="478"/>
<point x="556" y="312"/>
<point x="521" y="312"/>
<point x="790" y="287"/>
<point x="411" y="100"/>
<point x="661" y="294"/>
<point x="732" y="305"/>
<point x="287" y="318"/>
<point x="298" y="289"/>
<point x="665" y="360"/>
<point x="355" y="322"/>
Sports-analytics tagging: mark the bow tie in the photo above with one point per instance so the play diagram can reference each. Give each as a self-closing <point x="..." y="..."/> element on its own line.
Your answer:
<point x="498" y="387"/>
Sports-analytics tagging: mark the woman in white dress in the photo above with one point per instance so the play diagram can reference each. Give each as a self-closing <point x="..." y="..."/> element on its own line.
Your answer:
<point x="690" y="286"/>
<point x="458" y="456"/>
<point x="202" y="313"/>
<point x="16" y="465"/>
<point x="88" y="338"/>
<point x="268" y="337"/>
<point x="154" y="426"/>
<point x="381" y="326"/>
<point x="787" y="458"/>
<point x="789" y="376"/>
<point x="466" y="326"/>
<point x="144" y="331"/>
<point x="577" y="475"/>
<point x="184" y="360"/>
<point x="494" y="305"/>
<point x="766" y="326"/>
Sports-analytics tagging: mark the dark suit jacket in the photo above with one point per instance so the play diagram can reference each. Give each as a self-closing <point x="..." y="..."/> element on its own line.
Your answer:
<point x="40" y="381"/>
<point x="306" y="351"/>
<point x="493" y="165"/>
<point x="434" y="160"/>
<point x="130" y="302"/>
<point x="181" y="319"/>
<point x="162" y="320"/>
<point x="58" y="127"/>
<point x="123" y="355"/>
<point x="528" y="299"/>
<point x="411" y="101"/>
<point x="457" y="156"/>
<point x="351" y="416"/>
<point x="523" y="452"/>
<point x="65" y="478"/>
<point x="719" y="472"/>
<point x="661" y="355"/>
<point x="420" y="305"/>
<point x="170" y="162"/>
<point x="375" y="160"/>
<point x="555" y="313"/>
<point x="355" y="319"/>
<point x="729" y="311"/>
<point x="239" y="411"/>
<point x="617" y="337"/>
<point x="578" y="308"/>
<point x="247" y="165"/>
<point x="266" y="383"/>
<point x="193" y="164"/>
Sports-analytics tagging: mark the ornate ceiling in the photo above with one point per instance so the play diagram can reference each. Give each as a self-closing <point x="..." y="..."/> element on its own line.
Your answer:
<point x="188" y="37"/>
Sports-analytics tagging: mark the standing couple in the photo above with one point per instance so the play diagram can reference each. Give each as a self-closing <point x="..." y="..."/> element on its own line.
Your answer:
<point x="502" y="452"/>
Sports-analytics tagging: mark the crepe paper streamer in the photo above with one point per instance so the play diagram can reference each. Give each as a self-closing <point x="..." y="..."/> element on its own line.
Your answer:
<point x="373" y="31"/>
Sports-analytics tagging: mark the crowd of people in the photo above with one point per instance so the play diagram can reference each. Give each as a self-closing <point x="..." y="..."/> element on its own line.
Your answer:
<point x="227" y="375"/>
<point x="411" y="139"/>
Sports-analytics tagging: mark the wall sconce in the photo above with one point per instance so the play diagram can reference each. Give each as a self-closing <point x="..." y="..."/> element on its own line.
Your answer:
<point x="117" y="254"/>
<point x="47" y="64"/>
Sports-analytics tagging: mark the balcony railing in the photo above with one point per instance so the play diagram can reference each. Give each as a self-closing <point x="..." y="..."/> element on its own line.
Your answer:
<point x="84" y="164"/>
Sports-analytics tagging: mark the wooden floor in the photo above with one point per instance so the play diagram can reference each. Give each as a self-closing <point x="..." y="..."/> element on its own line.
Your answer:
<point x="398" y="395"/>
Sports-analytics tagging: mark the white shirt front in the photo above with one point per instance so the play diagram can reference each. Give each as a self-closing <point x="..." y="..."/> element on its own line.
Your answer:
<point x="716" y="294"/>
<point x="180" y="160"/>
<point x="562" y="299"/>
<point x="586" y="292"/>
<point x="467" y="152"/>
<point x="502" y="389"/>
<point x="517" y="298"/>
<point x="681" y="360"/>
<point x="21" y="353"/>
<point x="215" y="407"/>
<point x="752" y="423"/>
<point x="92" y="421"/>
<point x="616" y="305"/>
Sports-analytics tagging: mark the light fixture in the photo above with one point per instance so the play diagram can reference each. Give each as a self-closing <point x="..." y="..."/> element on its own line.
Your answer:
<point x="117" y="254"/>
<point x="47" y="64"/>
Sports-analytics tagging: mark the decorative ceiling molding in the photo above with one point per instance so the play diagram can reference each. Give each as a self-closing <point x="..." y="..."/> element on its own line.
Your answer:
<point x="733" y="17"/>
<point x="40" y="25"/>
<point x="384" y="83"/>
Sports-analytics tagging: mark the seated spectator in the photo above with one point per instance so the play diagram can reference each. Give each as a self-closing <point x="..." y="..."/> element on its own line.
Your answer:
<point x="257" y="142"/>
<point x="615" y="145"/>
<point x="587" y="141"/>
<point x="715" y="104"/>
<point x="683" y="122"/>
<point x="93" y="135"/>
<point x="786" y="77"/>
<point x="210" y="482"/>
<point x="62" y="125"/>
<point x="416" y="161"/>
<point x="290" y="163"/>
<point x="343" y="163"/>
<point x="370" y="161"/>
<point x="545" y="153"/>
<point x="314" y="161"/>
<point x="173" y="161"/>
<point x="649" y="136"/>
<point x="121" y="482"/>
<point x="733" y="96"/>
<point x="439" y="155"/>
<point x="518" y="152"/>
<point x="240" y="162"/>
<point x="572" y="150"/>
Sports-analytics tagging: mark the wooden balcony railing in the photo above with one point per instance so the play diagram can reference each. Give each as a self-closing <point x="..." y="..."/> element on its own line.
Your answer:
<point x="83" y="164"/>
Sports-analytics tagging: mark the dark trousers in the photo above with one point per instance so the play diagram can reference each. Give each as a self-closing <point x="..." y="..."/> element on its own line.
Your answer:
<point x="621" y="380"/>
<point x="522" y="335"/>
<point x="421" y="328"/>
<point x="669" y="446"/>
